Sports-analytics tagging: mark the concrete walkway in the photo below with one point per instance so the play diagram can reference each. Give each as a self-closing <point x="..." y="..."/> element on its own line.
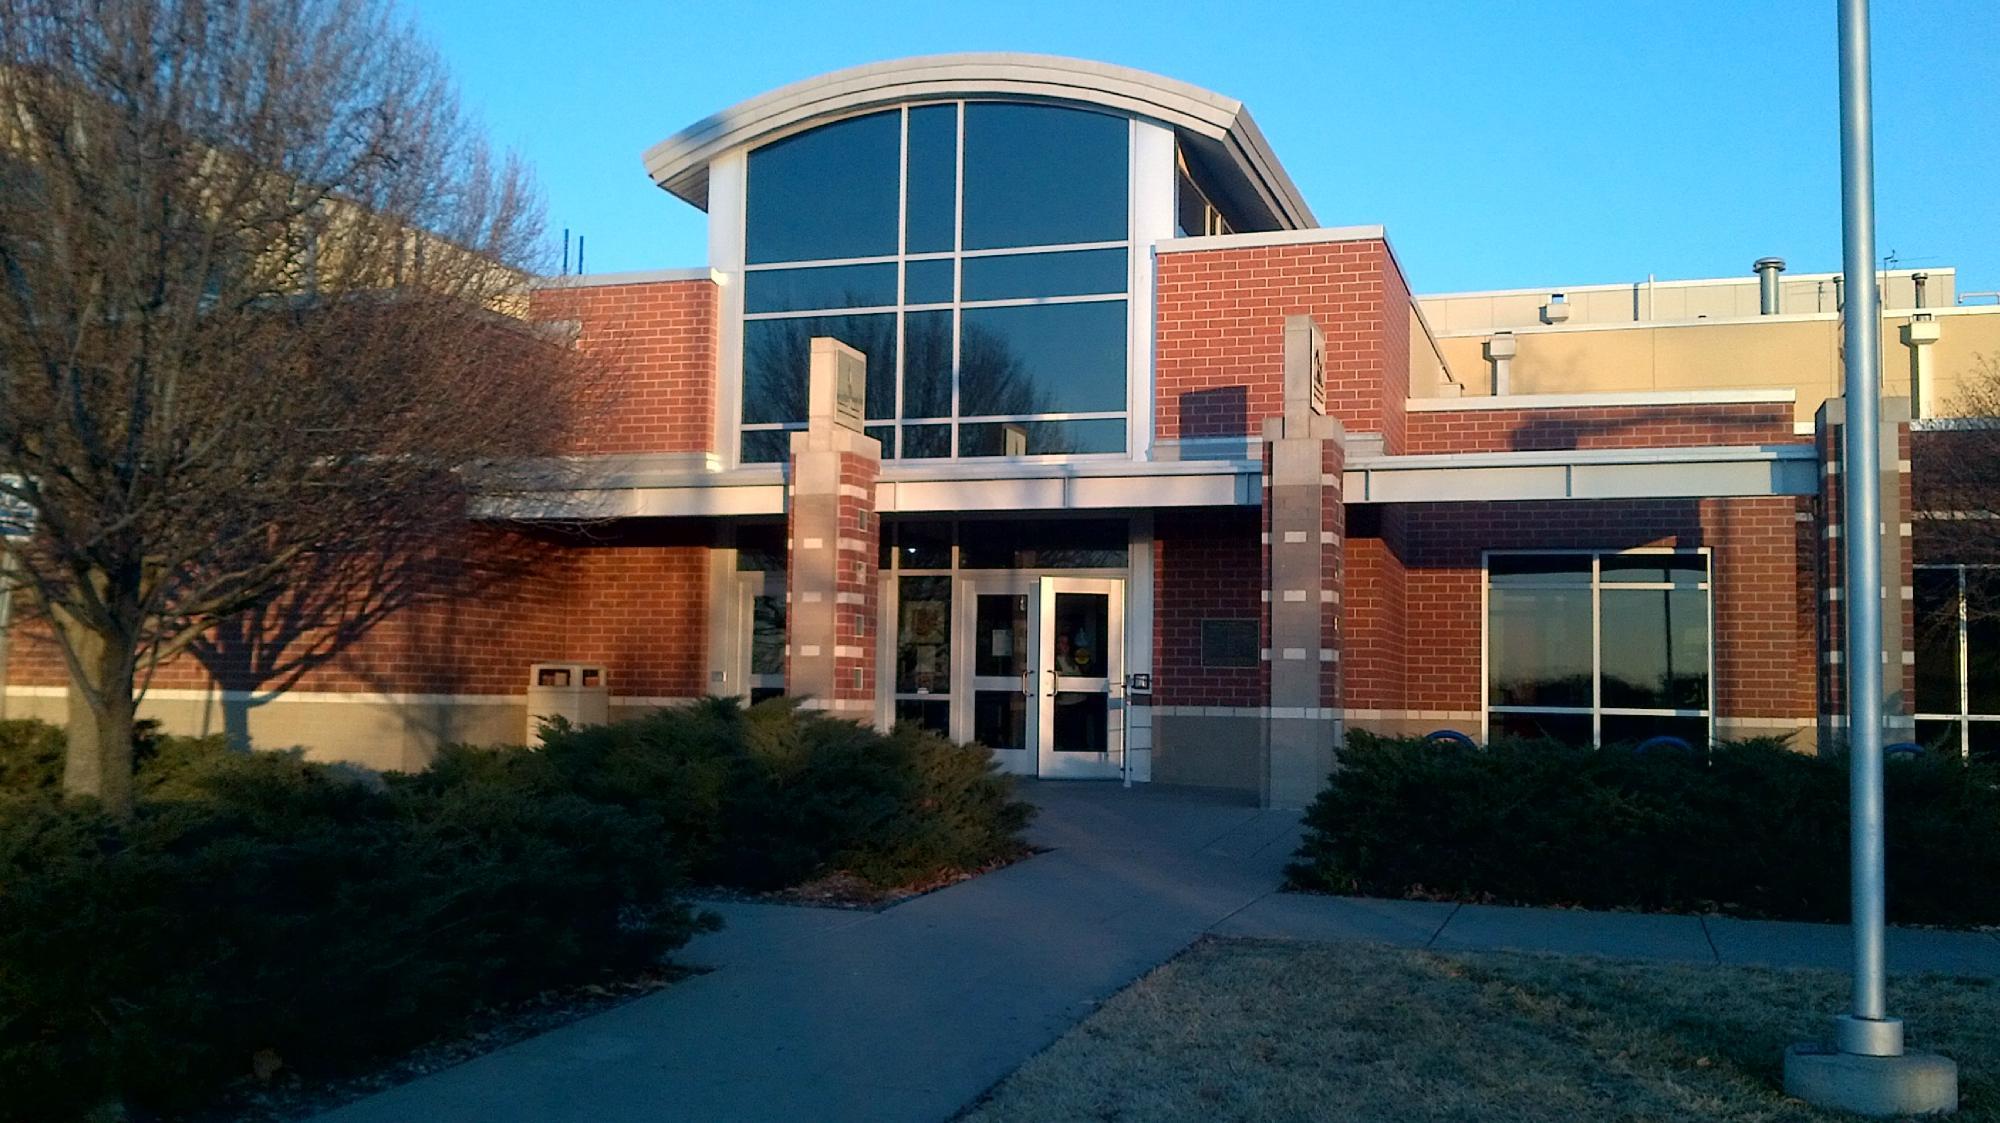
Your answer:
<point x="910" y="1013"/>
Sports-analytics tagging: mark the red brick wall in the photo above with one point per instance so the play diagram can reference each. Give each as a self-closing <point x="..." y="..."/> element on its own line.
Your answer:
<point x="1763" y="642"/>
<point x="635" y="599"/>
<point x="1207" y="564"/>
<point x="1523" y="430"/>
<point x="1219" y="349"/>
<point x="1373" y="647"/>
<point x="658" y="340"/>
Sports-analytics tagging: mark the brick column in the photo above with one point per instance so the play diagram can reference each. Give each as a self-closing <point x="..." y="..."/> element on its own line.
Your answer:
<point x="832" y="536"/>
<point x="1304" y="451"/>
<point x="1898" y="576"/>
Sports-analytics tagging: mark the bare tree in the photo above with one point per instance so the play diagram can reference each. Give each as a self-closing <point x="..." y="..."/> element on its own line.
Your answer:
<point x="1956" y="472"/>
<point x="259" y="345"/>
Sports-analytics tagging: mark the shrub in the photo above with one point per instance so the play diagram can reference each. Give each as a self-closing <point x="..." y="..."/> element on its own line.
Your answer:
<point x="262" y="902"/>
<point x="258" y="901"/>
<point x="773" y="795"/>
<point x="1754" y="828"/>
<point x="30" y="756"/>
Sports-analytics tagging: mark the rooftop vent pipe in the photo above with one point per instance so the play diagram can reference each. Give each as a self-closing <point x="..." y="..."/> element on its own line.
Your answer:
<point x="1917" y="280"/>
<point x="1768" y="269"/>
<point x="1500" y="351"/>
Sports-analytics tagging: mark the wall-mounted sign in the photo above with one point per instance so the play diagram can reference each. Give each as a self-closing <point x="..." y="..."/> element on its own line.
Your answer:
<point x="1318" y="372"/>
<point x="850" y="392"/>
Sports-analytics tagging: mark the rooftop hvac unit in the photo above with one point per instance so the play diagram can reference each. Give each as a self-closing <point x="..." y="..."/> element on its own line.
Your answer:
<point x="579" y="693"/>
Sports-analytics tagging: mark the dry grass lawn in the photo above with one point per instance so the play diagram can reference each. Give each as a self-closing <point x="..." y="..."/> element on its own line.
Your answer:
<point x="1253" y="1030"/>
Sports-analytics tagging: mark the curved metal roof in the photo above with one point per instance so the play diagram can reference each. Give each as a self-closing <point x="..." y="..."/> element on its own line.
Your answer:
<point x="1218" y="129"/>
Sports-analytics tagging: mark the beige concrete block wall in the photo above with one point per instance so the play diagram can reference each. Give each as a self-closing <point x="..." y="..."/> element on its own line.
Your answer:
<point x="1207" y="751"/>
<point x="1790" y="352"/>
<point x="382" y="733"/>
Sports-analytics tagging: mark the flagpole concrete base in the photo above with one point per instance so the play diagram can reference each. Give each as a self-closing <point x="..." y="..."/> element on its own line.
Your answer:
<point x="1910" y="1084"/>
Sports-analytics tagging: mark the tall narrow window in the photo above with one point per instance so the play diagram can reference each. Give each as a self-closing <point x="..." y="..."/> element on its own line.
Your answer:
<point x="1958" y="659"/>
<point x="1591" y="648"/>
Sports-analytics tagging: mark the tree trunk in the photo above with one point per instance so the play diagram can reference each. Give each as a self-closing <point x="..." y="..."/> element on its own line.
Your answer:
<point x="101" y="712"/>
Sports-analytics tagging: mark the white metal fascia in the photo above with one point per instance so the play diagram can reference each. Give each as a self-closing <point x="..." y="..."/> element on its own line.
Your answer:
<point x="1650" y="473"/>
<point x="1221" y="124"/>
<point x="1607" y="399"/>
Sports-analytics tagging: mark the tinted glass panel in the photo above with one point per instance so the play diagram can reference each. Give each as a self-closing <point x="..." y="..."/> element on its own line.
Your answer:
<point x="776" y="354"/>
<point x="928" y="282"/>
<point x="1634" y="730"/>
<point x="1679" y="568"/>
<point x="923" y="636"/>
<point x="1938" y="736"/>
<point x="1082" y="719"/>
<point x="927" y="364"/>
<point x="923" y="545"/>
<point x="1982" y="643"/>
<point x="887" y="435"/>
<point x="1001" y="633"/>
<point x="1000" y="719"/>
<point x="1654" y="645"/>
<point x="933" y="178"/>
<point x="767" y="634"/>
<point x="1020" y="275"/>
<point x="1050" y="544"/>
<point x="1539" y="569"/>
<point x="1538" y="647"/>
<point x="1570" y="729"/>
<point x="1054" y="358"/>
<point x="1937" y="641"/>
<point x="765" y="693"/>
<point x="831" y="286"/>
<point x="1037" y="175"/>
<point x="1190" y="209"/>
<point x="766" y="446"/>
<point x="1041" y="438"/>
<point x="926" y="442"/>
<point x="1983" y="741"/>
<point x="827" y="193"/>
<point x="934" y="716"/>
<point x="1082" y="629"/>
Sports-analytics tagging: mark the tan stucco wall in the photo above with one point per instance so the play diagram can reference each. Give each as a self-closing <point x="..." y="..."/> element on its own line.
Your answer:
<point x="383" y="734"/>
<point x="1797" y="353"/>
<point x="1716" y="298"/>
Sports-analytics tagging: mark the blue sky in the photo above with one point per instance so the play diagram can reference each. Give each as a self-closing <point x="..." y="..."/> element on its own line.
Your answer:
<point x="1503" y="144"/>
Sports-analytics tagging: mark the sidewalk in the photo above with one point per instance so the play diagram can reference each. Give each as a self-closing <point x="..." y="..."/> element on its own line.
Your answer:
<point x="911" y="1013"/>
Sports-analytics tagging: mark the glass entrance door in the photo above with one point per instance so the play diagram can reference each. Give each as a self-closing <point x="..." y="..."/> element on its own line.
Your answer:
<point x="1080" y="649"/>
<point x="996" y="702"/>
<point x="760" y="607"/>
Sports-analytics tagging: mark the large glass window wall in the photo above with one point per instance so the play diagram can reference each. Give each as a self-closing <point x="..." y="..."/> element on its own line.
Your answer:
<point x="977" y="252"/>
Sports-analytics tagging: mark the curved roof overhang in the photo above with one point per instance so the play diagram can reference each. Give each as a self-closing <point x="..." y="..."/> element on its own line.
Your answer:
<point x="1217" y="129"/>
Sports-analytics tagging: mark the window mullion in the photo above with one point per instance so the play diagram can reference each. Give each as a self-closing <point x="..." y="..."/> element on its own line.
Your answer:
<point x="1597" y="650"/>
<point x="1964" y="670"/>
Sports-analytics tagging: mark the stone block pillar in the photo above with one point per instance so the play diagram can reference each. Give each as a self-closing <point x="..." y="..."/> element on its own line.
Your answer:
<point x="833" y="538"/>
<point x="1898" y="574"/>
<point x="1304" y="454"/>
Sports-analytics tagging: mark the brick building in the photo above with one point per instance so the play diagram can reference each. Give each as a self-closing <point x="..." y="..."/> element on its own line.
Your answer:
<point x="1026" y="399"/>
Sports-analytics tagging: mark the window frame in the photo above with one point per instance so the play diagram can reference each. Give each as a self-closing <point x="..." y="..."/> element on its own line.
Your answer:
<point x="1964" y="718"/>
<point x="1597" y="710"/>
<point x="891" y="428"/>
